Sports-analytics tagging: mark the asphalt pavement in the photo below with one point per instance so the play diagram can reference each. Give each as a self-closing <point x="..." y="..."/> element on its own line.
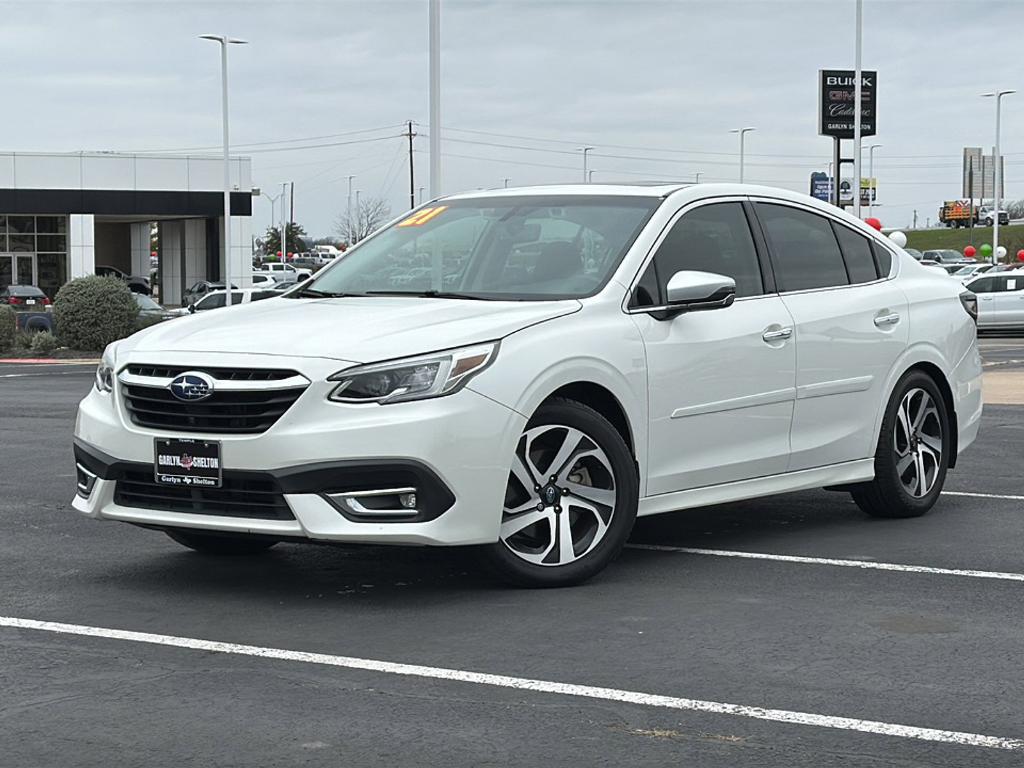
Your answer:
<point x="842" y="641"/>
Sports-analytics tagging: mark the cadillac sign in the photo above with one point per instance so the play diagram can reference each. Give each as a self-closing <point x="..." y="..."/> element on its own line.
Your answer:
<point x="836" y="89"/>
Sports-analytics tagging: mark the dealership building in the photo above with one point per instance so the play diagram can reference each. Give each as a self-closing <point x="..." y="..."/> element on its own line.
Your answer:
<point x="64" y="215"/>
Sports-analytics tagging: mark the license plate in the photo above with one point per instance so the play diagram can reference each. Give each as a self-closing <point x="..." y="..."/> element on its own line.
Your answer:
<point x="184" y="462"/>
<point x="30" y="301"/>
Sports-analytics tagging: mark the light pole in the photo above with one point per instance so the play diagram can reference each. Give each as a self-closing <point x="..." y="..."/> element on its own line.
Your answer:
<point x="273" y="205"/>
<point x="857" y="107"/>
<point x="998" y="160"/>
<point x="225" y="41"/>
<point x="742" y="132"/>
<point x="871" y="178"/>
<point x="434" y="44"/>
<point x="506" y="180"/>
<point x="696" y="177"/>
<point x="358" y="217"/>
<point x="348" y="212"/>
<point x="585" y="150"/>
<point x="284" y="222"/>
<point x="590" y="176"/>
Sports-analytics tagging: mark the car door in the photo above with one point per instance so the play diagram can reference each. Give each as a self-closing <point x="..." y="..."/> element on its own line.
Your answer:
<point x="851" y="326"/>
<point x="985" y="289"/>
<point x="1009" y="299"/>
<point x="720" y="382"/>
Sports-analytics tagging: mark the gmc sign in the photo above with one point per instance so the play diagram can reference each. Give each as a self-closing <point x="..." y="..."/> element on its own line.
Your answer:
<point x="836" y="90"/>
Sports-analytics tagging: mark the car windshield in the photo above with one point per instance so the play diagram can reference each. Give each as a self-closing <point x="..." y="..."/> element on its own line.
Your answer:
<point x="145" y="302"/>
<point x="965" y="270"/>
<point x="512" y="248"/>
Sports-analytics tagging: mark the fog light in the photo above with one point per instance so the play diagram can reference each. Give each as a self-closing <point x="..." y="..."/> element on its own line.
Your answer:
<point x="86" y="481"/>
<point x="378" y="503"/>
<point x="408" y="500"/>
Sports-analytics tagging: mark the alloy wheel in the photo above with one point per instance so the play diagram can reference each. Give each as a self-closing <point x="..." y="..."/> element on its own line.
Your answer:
<point x="917" y="440"/>
<point x="560" y="496"/>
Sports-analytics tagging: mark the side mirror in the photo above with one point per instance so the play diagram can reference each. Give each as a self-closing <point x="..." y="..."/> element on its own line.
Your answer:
<point x="191" y="309"/>
<point x="692" y="291"/>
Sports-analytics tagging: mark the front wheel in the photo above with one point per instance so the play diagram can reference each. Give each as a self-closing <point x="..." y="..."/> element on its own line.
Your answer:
<point x="912" y="454"/>
<point x="570" y="500"/>
<point x="220" y="544"/>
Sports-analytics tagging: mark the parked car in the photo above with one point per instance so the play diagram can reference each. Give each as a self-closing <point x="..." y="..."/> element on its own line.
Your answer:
<point x="913" y="252"/>
<point x="150" y="311"/>
<point x="136" y="283"/>
<point x="308" y="263"/>
<point x="967" y="272"/>
<point x="31" y="305"/>
<point x="262" y="280"/>
<point x="218" y="299"/>
<point x="1000" y="300"/>
<point x="197" y="290"/>
<point x="580" y="356"/>
<point x="947" y="256"/>
<point x="283" y="273"/>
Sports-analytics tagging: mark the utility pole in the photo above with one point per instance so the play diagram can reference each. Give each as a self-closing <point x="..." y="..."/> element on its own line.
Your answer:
<point x="506" y="180"/>
<point x="915" y="219"/>
<point x="284" y="226"/>
<point x="291" y="206"/>
<point x="585" y="151"/>
<point x="359" y="234"/>
<point x="434" y="35"/>
<point x="696" y="177"/>
<point x="412" y="180"/>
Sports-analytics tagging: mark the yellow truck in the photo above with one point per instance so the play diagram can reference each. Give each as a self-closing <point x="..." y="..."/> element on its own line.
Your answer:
<point x="958" y="213"/>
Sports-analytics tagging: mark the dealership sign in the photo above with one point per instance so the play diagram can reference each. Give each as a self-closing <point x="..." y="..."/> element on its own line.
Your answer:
<point x="836" y="98"/>
<point x="821" y="186"/>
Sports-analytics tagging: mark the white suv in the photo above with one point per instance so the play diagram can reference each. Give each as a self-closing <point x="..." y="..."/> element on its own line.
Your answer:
<point x="528" y="370"/>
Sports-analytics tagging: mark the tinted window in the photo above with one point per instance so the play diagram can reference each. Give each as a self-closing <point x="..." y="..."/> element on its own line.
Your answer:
<point x="257" y="295"/>
<point x="713" y="238"/>
<point x="883" y="258"/>
<point x="860" y="264"/>
<point x="984" y="285"/>
<point x="804" y="249"/>
<point x="211" y="302"/>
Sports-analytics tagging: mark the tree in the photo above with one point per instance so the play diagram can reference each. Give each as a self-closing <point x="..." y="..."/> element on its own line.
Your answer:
<point x="272" y="239"/>
<point x="367" y="217"/>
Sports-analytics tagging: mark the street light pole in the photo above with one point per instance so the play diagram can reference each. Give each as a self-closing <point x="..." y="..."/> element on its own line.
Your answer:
<point x="696" y="177"/>
<point x="348" y="212"/>
<point x="857" y="110"/>
<point x="284" y="223"/>
<point x="434" y="40"/>
<point x="273" y="205"/>
<point x="998" y="160"/>
<point x="225" y="41"/>
<point x="358" y="218"/>
<point x="742" y="132"/>
<point x="871" y="179"/>
<point x="585" y="150"/>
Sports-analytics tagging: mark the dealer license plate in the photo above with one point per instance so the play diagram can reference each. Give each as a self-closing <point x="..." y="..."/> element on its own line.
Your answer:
<point x="178" y="461"/>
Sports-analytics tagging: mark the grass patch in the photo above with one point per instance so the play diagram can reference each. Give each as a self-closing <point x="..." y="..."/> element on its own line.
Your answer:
<point x="1012" y="237"/>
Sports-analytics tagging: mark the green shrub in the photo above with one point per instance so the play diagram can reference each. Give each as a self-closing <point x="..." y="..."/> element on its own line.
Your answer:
<point x="8" y="327"/>
<point x="23" y="340"/>
<point x="90" y="312"/>
<point x="44" y="343"/>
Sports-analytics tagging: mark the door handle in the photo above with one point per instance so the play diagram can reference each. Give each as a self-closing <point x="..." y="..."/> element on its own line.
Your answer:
<point x="780" y="335"/>
<point x="891" y="319"/>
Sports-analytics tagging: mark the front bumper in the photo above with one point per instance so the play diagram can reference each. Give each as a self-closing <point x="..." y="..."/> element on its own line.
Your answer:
<point x="456" y="449"/>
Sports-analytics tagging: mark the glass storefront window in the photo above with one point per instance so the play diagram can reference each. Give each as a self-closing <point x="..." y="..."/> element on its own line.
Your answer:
<point x="41" y="243"/>
<point x="51" y="243"/>
<point x="52" y="272"/>
<point x="51" y="225"/>
<point x="21" y="224"/>
<point x="22" y="243"/>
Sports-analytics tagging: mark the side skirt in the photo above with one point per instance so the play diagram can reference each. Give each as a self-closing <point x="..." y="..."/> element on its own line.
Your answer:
<point x="817" y="477"/>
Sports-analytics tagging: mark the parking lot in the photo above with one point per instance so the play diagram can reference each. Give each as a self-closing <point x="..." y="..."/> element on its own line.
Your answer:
<point x="782" y="632"/>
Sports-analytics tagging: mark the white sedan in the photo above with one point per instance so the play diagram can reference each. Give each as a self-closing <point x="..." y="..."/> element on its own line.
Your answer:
<point x="1000" y="300"/>
<point x="570" y="358"/>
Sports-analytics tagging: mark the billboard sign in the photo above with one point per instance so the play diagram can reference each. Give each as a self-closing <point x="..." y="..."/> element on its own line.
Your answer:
<point x="836" y="90"/>
<point x="821" y="186"/>
<point x="868" y="190"/>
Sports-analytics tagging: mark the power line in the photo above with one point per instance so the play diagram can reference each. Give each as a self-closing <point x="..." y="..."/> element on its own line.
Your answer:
<point x="275" y="141"/>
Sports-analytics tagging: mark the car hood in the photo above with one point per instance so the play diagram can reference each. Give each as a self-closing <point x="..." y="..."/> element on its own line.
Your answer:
<point x="358" y="330"/>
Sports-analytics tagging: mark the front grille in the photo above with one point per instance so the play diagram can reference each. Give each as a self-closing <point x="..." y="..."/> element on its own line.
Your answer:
<point x="226" y="411"/>
<point x="222" y="374"/>
<point x="252" y="495"/>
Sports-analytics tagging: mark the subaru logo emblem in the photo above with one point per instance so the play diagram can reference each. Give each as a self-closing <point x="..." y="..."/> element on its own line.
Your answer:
<point x="550" y="494"/>
<point x="191" y="386"/>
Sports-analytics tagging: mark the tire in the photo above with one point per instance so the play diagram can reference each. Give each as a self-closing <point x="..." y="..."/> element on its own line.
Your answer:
<point x="905" y="456"/>
<point x="221" y="544"/>
<point x="589" y="499"/>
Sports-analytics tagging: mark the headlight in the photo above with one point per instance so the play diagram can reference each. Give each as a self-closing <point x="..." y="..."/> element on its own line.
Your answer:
<point x="414" y="378"/>
<point x="105" y="371"/>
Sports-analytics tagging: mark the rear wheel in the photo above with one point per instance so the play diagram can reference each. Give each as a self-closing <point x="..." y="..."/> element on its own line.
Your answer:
<point x="570" y="499"/>
<point x="912" y="453"/>
<point x="221" y="544"/>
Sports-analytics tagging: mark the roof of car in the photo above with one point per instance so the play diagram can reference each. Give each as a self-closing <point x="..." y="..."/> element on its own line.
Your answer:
<point x="31" y="290"/>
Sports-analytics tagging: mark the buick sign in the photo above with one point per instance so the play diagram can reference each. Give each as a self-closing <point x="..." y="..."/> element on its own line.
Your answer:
<point x="836" y="89"/>
<point x="191" y="386"/>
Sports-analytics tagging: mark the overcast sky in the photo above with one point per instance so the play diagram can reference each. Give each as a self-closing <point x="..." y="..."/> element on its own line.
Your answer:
<point x="657" y="84"/>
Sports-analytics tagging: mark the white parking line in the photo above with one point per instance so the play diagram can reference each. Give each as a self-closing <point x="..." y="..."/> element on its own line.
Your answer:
<point x="526" y="684"/>
<point x="983" y="495"/>
<point x="869" y="565"/>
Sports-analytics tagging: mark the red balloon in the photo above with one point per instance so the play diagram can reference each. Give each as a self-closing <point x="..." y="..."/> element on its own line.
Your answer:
<point x="875" y="223"/>
<point x="279" y="254"/>
<point x="1020" y="255"/>
<point x="969" y="251"/>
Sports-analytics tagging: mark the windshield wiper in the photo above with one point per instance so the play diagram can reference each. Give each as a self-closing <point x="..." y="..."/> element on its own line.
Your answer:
<point x="432" y="294"/>
<point x="318" y="294"/>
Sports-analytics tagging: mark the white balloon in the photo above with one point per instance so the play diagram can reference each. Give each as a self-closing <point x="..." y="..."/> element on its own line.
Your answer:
<point x="1001" y="252"/>
<point x="899" y="238"/>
